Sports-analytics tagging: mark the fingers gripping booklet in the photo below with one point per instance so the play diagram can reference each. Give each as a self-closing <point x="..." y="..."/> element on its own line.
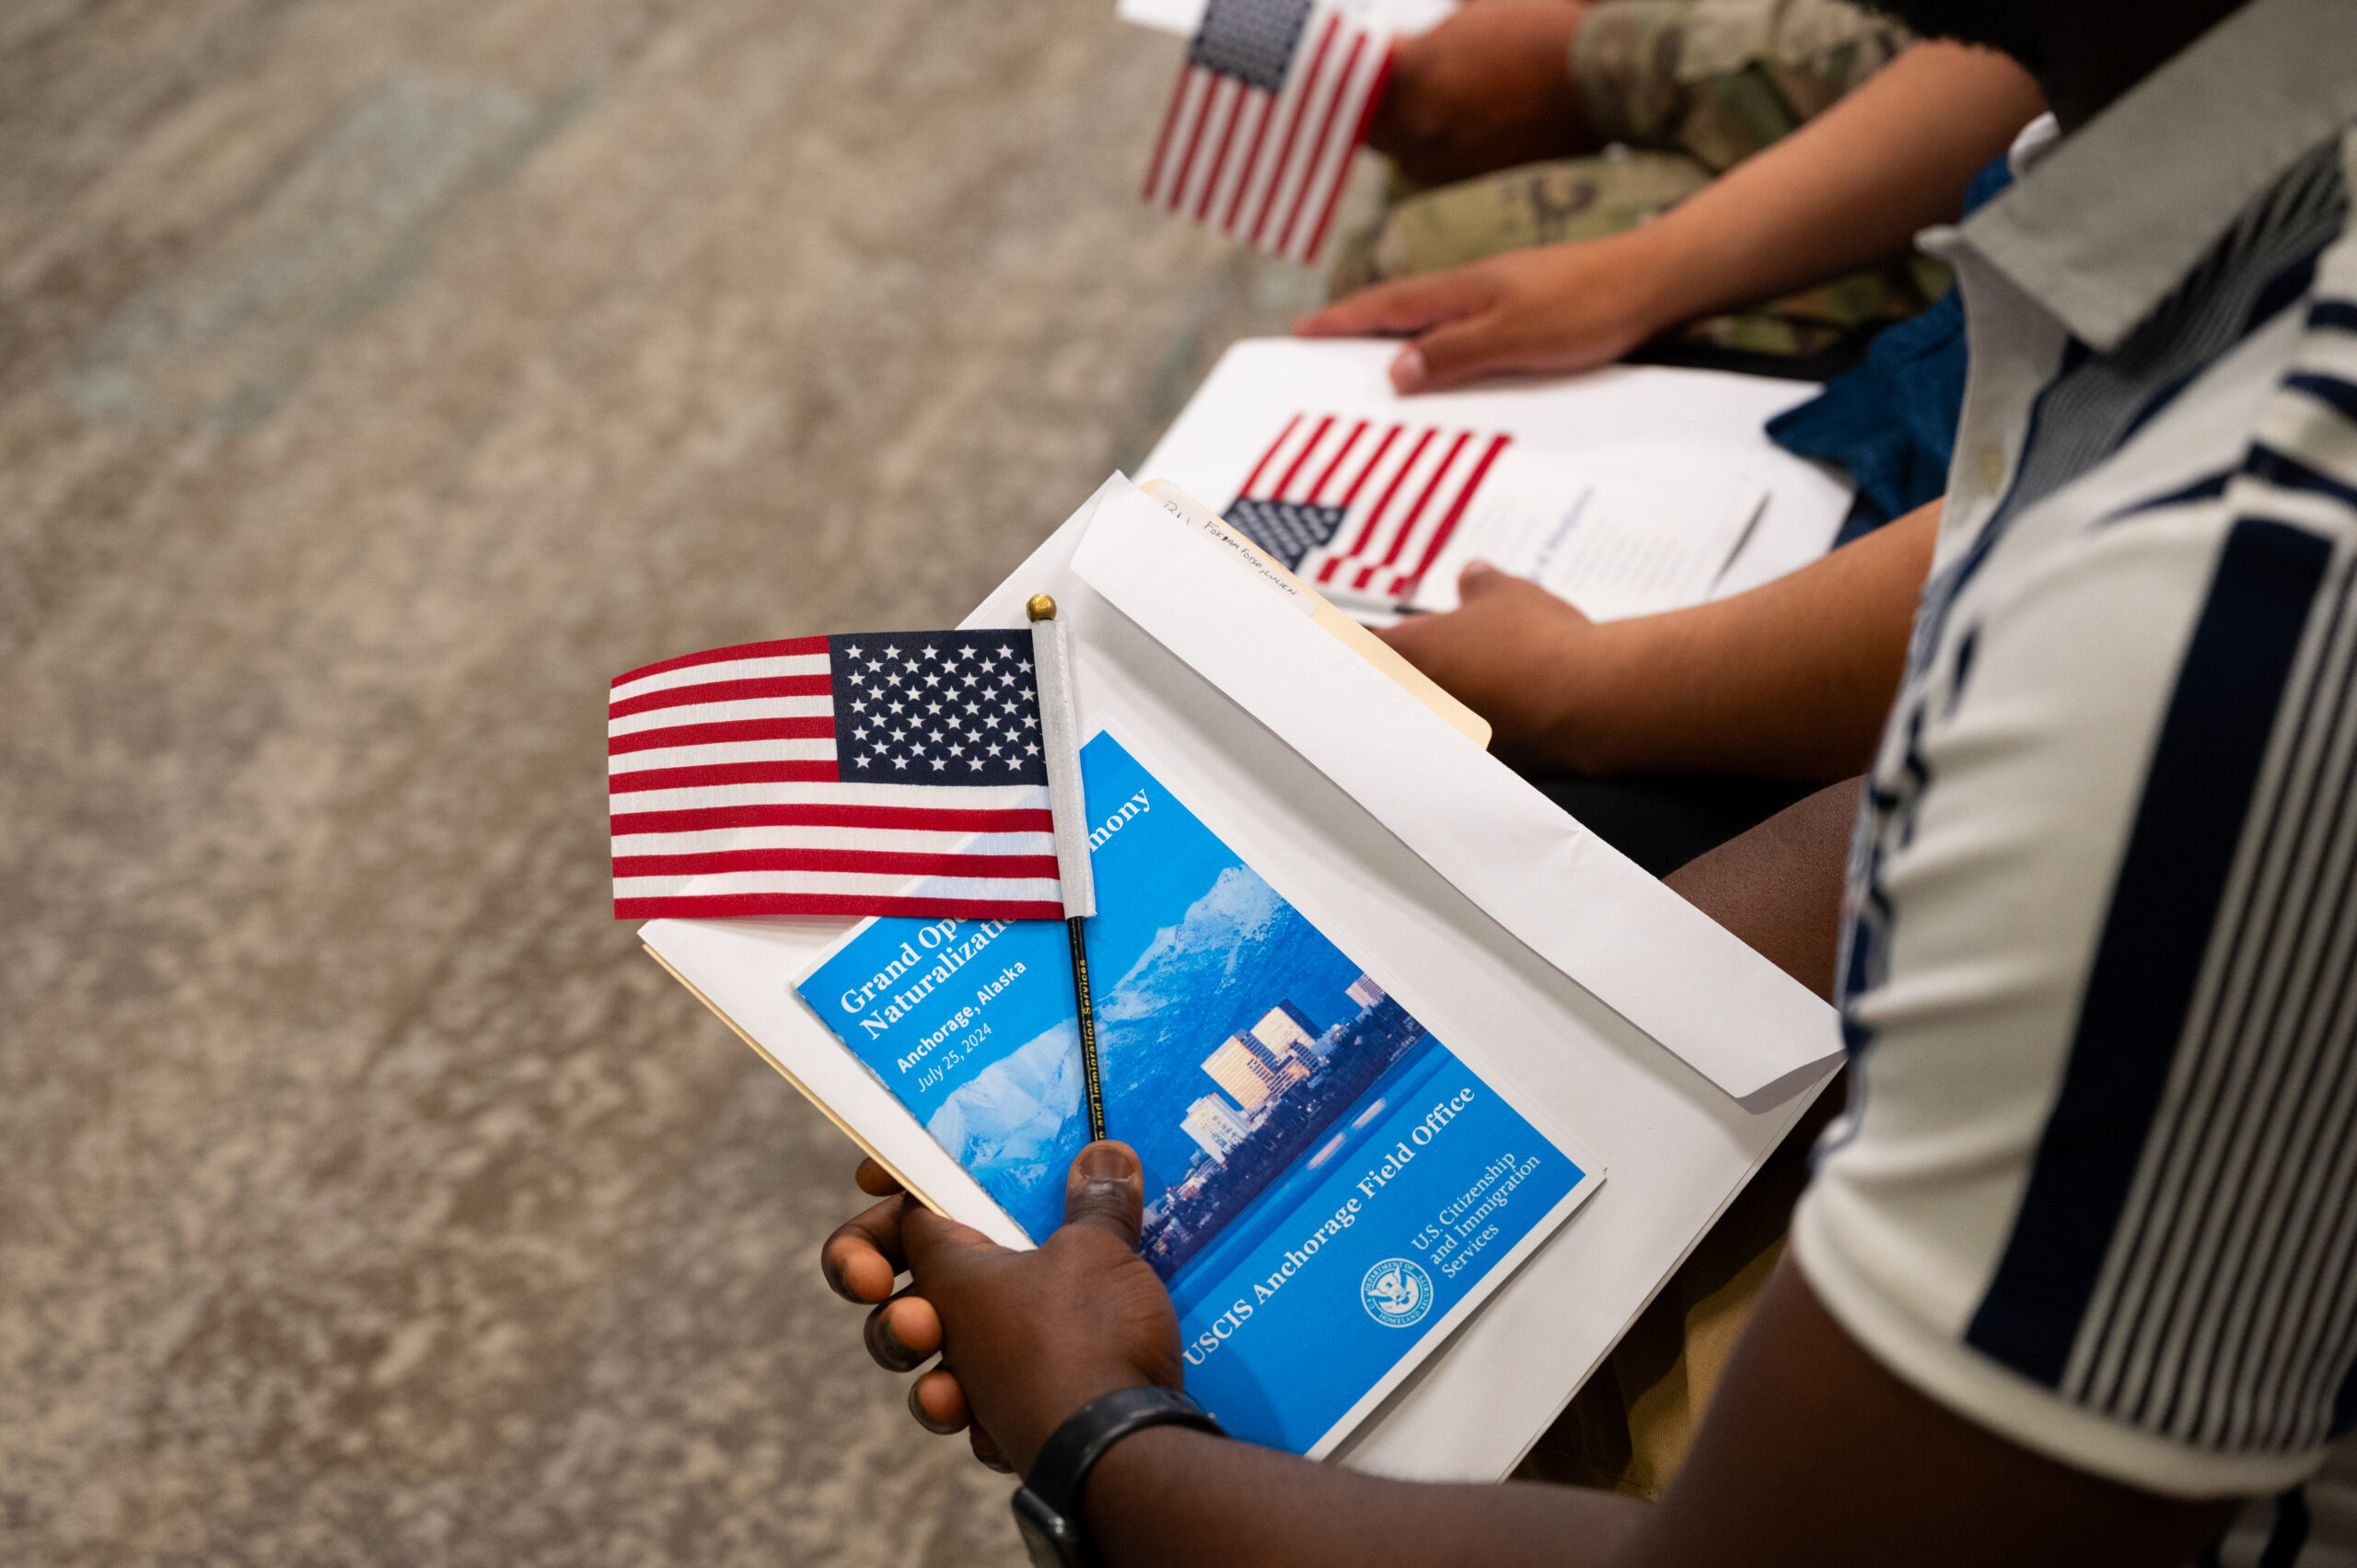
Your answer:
<point x="1329" y="1191"/>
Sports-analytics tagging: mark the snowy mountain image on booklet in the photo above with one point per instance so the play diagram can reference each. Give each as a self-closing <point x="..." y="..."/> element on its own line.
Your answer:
<point x="1329" y="1188"/>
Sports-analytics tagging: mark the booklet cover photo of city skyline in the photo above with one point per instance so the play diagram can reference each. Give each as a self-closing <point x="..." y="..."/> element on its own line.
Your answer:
<point x="1329" y="1190"/>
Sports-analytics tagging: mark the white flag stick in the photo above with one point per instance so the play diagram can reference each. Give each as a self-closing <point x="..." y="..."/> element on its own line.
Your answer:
<point x="1060" y="735"/>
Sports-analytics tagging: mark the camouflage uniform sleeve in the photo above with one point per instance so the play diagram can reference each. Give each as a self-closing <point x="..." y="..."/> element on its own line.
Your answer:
<point x="1720" y="79"/>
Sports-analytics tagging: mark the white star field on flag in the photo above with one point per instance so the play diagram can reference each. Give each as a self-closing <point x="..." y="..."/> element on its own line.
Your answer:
<point x="949" y="710"/>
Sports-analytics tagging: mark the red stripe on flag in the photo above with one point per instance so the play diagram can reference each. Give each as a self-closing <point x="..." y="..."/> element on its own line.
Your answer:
<point x="1317" y="146"/>
<point x="1358" y="136"/>
<point x="1408" y="580"/>
<point x="1194" y="141"/>
<point x="725" y="733"/>
<point x="1382" y="504"/>
<point x="1293" y="125"/>
<point x="720" y="691"/>
<point x="1399" y="539"/>
<point x="1267" y="107"/>
<point x="1187" y="99"/>
<point x="789" y="649"/>
<point x="1324" y="478"/>
<point x="1219" y="160"/>
<point x="877" y="863"/>
<point x="1162" y="141"/>
<point x="909" y="819"/>
<point x="1252" y="479"/>
<point x="713" y="775"/>
<point x="1372" y="464"/>
<point x="1302" y="456"/>
<point x="722" y="906"/>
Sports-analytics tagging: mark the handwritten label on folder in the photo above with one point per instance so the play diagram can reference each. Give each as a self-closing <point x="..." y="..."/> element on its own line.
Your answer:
<point x="1328" y="1188"/>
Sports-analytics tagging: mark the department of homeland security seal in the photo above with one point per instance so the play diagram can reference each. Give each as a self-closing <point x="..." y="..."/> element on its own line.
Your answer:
<point x="1397" y="1291"/>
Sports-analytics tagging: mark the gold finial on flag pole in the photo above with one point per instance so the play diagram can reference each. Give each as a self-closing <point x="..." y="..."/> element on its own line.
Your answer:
<point x="1040" y="608"/>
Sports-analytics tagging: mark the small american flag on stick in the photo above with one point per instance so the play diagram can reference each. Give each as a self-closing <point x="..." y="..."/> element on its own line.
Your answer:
<point x="1363" y="506"/>
<point x="894" y="773"/>
<point x="1275" y="97"/>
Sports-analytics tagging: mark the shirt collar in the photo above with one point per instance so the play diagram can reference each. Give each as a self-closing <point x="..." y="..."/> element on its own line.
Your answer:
<point x="2105" y="223"/>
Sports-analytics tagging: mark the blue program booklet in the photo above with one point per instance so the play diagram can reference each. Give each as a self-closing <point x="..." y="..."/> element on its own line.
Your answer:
<point x="1329" y="1191"/>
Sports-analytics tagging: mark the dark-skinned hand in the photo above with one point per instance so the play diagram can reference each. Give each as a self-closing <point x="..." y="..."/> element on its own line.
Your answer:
<point x="1025" y="1338"/>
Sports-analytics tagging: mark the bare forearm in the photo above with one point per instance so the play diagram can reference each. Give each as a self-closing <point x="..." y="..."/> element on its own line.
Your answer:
<point x="1790" y="680"/>
<point x="1811" y="1452"/>
<point x="1167" y="1498"/>
<point x="1849" y="188"/>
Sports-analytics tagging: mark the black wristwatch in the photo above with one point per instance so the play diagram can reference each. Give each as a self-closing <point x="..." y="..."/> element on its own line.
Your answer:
<point x="1047" y="1507"/>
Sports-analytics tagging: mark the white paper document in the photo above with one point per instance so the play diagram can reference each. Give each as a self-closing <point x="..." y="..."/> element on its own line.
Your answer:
<point x="1591" y="997"/>
<point x="1651" y="528"/>
<point x="1375" y="500"/>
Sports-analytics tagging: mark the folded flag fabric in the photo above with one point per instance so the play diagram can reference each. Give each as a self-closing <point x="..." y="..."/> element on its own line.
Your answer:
<point x="1362" y="507"/>
<point x="1274" y="97"/>
<point x="893" y="773"/>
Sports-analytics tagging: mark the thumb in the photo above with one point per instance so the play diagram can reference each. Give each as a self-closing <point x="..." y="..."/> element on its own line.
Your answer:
<point x="1518" y="609"/>
<point x="1483" y="580"/>
<point x="1106" y="1190"/>
<point x="1478" y="579"/>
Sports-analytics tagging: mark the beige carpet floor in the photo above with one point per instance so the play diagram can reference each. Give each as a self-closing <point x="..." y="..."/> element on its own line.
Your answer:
<point x="377" y="377"/>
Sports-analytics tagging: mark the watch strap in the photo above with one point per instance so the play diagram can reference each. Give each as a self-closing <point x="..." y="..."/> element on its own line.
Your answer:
<point x="1088" y="1433"/>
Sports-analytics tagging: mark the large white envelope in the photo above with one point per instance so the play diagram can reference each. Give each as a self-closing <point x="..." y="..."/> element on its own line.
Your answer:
<point x="1579" y="903"/>
<point x="1680" y="1146"/>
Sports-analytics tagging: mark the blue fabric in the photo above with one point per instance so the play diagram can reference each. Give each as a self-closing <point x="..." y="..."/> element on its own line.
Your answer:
<point x="1891" y="422"/>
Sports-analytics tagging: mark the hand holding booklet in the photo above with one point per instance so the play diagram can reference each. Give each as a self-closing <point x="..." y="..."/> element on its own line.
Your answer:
<point x="1342" y="953"/>
<point x="1330" y="1189"/>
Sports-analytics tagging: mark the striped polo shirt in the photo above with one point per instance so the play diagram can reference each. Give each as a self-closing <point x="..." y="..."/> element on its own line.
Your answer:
<point x="2096" y="1185"/>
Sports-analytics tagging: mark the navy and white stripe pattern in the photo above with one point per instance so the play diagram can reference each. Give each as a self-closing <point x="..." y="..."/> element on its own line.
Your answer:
<point x="2261" y="266"/>
<point x="2098" y="402"/>
<point x="2097" y="1188"/>
<point x="2185" y="1258"/>
<point x="2097" y="1185"/>
<point x="2094" y="404"/>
